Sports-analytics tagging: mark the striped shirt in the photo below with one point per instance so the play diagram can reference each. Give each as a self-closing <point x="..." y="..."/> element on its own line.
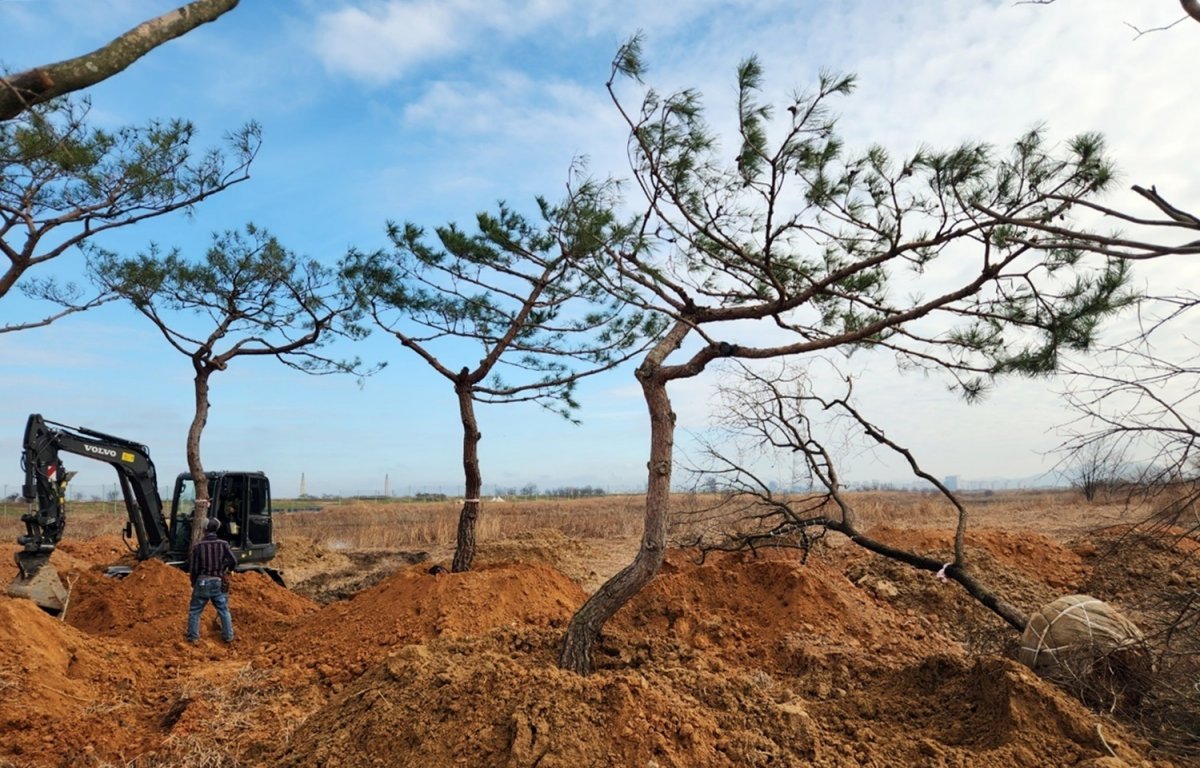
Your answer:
<point x="210" y="557"/>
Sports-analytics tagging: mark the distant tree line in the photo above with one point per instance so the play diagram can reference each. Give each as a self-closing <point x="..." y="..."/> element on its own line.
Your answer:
<point x="565" y="492"/>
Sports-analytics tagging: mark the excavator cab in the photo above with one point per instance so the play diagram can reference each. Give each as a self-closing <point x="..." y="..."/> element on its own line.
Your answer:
<point x="241" y="501"/>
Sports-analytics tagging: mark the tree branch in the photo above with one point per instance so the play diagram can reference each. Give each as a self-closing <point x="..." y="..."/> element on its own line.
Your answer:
<point x="39" y="84"/>
<point x="1191" y="7"/>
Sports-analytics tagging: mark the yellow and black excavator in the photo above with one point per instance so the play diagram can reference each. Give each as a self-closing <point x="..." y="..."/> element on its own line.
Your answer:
<point x="240" y="500"/>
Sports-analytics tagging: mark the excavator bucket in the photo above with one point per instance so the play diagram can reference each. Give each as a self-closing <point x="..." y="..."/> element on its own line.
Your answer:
<point x="42" y="585"/>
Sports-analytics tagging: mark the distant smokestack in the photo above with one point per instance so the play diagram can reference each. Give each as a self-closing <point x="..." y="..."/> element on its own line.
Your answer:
<point x="303" y="488"/>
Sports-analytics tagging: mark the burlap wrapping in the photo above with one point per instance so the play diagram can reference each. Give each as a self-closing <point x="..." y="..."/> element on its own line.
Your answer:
<point x="1072" y="627"/>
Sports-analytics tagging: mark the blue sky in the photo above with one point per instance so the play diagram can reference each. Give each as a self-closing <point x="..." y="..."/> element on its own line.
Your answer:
<point x="430" y="111"/>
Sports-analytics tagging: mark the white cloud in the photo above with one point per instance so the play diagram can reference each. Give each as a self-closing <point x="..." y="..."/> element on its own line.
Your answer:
<point x="384" y="45"/>
<point x="513" y="109"/>
<point x="379" y="42"/>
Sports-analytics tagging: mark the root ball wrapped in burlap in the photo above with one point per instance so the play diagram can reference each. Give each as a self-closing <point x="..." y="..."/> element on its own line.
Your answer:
<point x="1089" y="645"/>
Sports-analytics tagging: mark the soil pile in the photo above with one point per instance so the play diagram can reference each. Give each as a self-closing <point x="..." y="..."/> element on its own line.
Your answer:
<point x="739" y="661"/>
<point x="344" y="638"/>
<point x="1127" y="564"/>
<point x="587" y="562"/>
<point x="66" y="692"/>
<point x="1025" y="568"/>
<point x="149" y="605"/>
<point x="97" y="553"/>
<point x="774" y="613"/>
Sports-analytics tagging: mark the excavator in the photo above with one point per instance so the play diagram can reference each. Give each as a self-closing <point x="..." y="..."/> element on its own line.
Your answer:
<point x="240" y="500"/>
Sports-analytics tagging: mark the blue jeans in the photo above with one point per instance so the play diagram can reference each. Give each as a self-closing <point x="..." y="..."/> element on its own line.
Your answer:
<point x="205" y="589"/>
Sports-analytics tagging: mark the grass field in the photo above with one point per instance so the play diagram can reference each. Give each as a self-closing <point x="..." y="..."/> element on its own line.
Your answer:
<point x="402" y="524"/>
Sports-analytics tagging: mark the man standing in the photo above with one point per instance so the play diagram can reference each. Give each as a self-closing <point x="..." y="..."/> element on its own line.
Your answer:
<point x="211" y="560"/>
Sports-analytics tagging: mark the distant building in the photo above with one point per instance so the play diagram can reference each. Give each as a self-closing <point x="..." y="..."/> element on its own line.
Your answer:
<point x="951" y="482"/>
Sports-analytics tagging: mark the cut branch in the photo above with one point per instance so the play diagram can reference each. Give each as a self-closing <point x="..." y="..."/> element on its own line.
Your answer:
<point x="39" y="84"/>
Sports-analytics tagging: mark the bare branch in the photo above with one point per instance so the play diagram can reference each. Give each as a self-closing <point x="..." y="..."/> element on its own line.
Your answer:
<point x="774" y="413"/>
<point x="1191" y="7"/>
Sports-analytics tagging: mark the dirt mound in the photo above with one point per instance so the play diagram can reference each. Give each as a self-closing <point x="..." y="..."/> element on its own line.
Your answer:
<point x="345" y="638"/>
<point x="1127" y="564"/>
<point x="982" y="712"/>
<point x="769" y="609"/>
<point x="70" y="558"/>
<point x="1036" y="557"/>
<point x="516" y="708"/>
<point x="354" y="572"/>
<point x="740" y="661"/>
<point x="42" y="651"/>
<point x="587" y="562"/>
<point x="1024" y="568"/>
<point x="98" y="552"/>
<point x="548" y="546"/>
<point x="1152" y="575"/>
<point x="63" y="690"/>
<point x="150" y="605"/>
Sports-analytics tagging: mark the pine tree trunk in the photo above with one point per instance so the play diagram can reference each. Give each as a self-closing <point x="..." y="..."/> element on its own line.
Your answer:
<point x="464" y="551"/>
<point x="195" y="467"/>
<point x="584" y="630"/>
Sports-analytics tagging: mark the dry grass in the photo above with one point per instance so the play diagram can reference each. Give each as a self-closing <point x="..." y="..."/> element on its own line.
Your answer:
<point x="230" y="706"/>
<point x="191" y="751"/>
<point x="1057" y="513"/>
<point x="86" y="520"/>
<point x="397" y="524"/>
<point x="394" y="524"/>
<point x="407" y="525"/>
<point x="1052" y="512"/>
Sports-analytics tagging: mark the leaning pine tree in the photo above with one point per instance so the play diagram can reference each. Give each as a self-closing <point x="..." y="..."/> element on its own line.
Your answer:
<point x="792" y="246"/>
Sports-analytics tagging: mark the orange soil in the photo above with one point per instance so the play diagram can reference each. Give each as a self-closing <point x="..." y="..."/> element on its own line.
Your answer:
<point x="847" y="660"/>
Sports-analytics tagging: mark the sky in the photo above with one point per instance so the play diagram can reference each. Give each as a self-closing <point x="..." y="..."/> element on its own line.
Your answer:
<point x="378" y="110"/>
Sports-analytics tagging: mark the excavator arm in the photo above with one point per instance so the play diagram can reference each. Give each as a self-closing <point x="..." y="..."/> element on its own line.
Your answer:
<point x="45" y="487"/>
<point x="45" y="490"/>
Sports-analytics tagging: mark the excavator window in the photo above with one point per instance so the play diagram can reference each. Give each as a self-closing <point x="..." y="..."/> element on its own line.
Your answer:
<point x="258" y="521"/>
<point x="229" y="509"/>
<point x="241" y="501"/>
<point x="181" y="534"/>
<point x="183" y="509"/>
